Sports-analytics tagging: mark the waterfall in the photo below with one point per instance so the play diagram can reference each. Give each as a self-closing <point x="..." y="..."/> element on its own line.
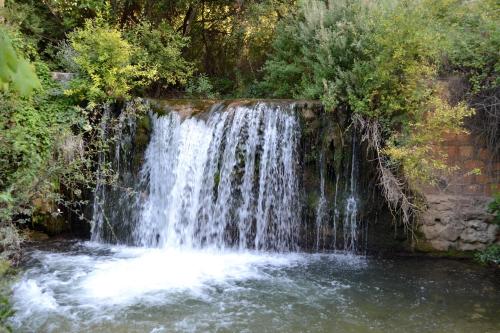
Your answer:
<point x="350" y="226"/>
<point x="100" y="193"/>
<point x="225" y="179"/>
<point x="236" y="175"/>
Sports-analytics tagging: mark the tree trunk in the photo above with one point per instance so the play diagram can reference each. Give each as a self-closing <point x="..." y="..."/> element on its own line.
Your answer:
<point x="188" y="19"/>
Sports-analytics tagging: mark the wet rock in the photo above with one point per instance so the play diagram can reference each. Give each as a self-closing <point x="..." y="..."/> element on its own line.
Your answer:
<point x="37" y="236"/>
<point x="441" y="245"/>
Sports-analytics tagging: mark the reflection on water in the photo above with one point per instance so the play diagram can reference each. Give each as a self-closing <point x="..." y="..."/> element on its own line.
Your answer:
<point x="84" y="287"/>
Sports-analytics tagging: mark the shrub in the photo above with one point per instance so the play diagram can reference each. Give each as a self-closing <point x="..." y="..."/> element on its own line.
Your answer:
<point x="200" y="87"/>
<point x="32" y="161"/>
<point x="6" y="278"/>
<point x="160" y="48"/>
<point x="378" y="60"/>
<point x="104" y="59"/>
<point x="490" y="255"/>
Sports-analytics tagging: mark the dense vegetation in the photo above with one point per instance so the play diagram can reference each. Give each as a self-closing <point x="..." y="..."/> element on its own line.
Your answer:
<point x="393" y="65"/>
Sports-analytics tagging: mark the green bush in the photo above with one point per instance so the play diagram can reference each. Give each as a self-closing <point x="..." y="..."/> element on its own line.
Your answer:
<point x="6" y="310"/>
<point x="491" y="255"/>
<point x="104" y="59"/>
<point x="160" y="48"/>
<point x="200" y="87"/>
<point x="38" y="154"/>
<point x="473" y="35"/>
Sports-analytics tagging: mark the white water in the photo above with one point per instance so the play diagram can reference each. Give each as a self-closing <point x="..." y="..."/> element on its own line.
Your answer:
<point x="92" y="283"/>
<point x="226" y="181"/>
<point x="98" y="288"/>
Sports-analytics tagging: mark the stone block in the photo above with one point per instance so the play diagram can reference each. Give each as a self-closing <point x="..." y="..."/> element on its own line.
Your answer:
<point x="458" y="222"/>
<point x="482" y="179"/>
<point x="470" y="246"/>
<point x="477" y="225"/>
<point x="466" y="151"/>
<point x="484" y="154"/>
<point x="495" y="188"/>
<point x="472" y="164"/>
<point x="475" y="189"/>
<point x="441" y="245"/>
<point x="451" y="232"/>
<point x="431" y="231"/>
<point x="452" y="152"/>
<point x="471" y="235"/>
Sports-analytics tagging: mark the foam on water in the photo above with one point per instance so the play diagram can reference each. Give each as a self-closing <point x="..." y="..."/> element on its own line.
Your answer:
<point x="96" y="288"/>
<point x="104" y="277"/>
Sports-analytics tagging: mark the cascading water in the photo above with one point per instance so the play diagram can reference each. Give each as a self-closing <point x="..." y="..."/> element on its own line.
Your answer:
<point x="350" y="225"/>
<point x="226" y="181"/>
<point x="321" y="209"/>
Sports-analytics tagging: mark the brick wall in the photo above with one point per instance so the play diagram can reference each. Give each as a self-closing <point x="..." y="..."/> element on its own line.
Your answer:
<point x="457" y="215"/>
<point x="464" y="151"/>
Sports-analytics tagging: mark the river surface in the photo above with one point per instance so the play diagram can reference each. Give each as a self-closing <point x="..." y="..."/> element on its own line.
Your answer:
<point x="86" y="287"/>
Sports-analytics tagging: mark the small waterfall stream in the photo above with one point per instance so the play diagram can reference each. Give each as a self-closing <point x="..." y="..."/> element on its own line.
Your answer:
<point x="321" y="209"/>
<point x="350" y="226"/>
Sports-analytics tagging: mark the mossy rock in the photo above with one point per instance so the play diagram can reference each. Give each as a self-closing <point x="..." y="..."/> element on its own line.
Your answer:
<point x="426" y="247"/>
<point x="37" y="236"/>
<point x="52" y="225"/>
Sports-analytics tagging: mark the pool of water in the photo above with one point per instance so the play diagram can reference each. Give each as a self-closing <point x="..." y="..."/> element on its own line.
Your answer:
<point x="85" y="287"/>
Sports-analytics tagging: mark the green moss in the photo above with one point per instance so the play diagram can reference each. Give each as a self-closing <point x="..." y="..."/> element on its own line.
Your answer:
<point x="312" y="200"/>
<point x="51" y="224"/>
<point x="217" y="179"/>
<point x="141" y="140"/>
<point x="426" y="247"/>
<point x="56" y="225"/>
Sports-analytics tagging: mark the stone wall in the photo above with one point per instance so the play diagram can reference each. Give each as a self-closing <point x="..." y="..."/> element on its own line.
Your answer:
<point x="456" y="217"/>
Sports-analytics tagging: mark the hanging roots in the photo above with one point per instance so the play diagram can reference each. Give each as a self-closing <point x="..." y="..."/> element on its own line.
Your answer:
<point x="485" y="124"/>
<point x="394" y="188"/>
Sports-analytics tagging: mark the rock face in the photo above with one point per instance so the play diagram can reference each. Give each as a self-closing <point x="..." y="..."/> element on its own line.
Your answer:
<point x="458" y="222"/>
